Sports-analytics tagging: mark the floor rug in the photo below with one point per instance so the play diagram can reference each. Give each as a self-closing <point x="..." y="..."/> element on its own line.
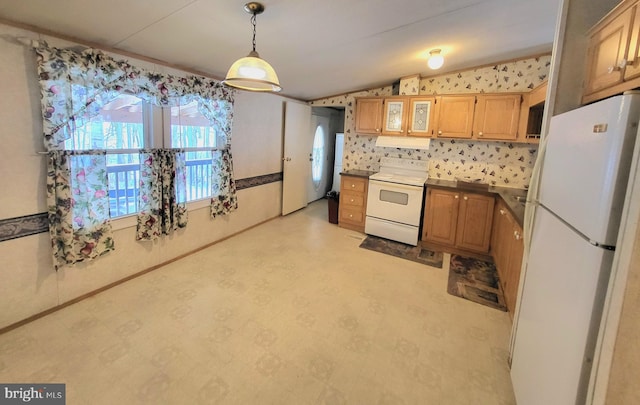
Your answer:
<point x="413" y="253"/>
<point x="475" y="280"/>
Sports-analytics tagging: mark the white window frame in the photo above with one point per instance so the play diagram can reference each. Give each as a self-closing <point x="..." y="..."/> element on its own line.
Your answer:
<point x="166" y="130"/>
<point x="157" y="134"/>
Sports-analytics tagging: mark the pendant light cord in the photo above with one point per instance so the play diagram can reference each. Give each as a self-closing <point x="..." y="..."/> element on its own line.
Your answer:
<point x="253" y="22"/>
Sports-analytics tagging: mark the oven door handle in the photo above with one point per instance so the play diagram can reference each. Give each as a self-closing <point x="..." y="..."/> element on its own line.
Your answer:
<point x="393" y="186"/>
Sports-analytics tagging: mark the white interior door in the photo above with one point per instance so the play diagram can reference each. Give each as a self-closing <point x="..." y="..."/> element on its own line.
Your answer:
<point x="296" y="160"/>
<point x="317" y="186"/>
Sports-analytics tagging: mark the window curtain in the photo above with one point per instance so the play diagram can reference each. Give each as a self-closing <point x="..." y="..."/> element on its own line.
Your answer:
<point x="74" y="86"/>
<point x="163" y="207"/>
<point x="223" y="193"/>
<point x="78" y="213"/>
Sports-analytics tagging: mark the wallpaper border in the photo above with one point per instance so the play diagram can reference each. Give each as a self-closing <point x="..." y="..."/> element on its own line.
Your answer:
<point x="19" y="227"/>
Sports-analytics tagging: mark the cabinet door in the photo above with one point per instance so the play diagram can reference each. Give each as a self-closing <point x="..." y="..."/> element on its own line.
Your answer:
<point x="502" y="241"/>
<point x="421" y="116"/>
<point x="496" y="116"/>
<point x="369" y="115"/>
<point x="395" y="116"/>
<point x="455" y="116"/>
<point x="607" y="49"/>
<point x="441" y="216"/>
<point x="632" y="60"/>
<point x="515" y="263"/>
<point x="474" y="222"/>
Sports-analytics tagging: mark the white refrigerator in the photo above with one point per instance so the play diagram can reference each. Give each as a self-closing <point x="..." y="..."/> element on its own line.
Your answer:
<point x="577" y="216"/>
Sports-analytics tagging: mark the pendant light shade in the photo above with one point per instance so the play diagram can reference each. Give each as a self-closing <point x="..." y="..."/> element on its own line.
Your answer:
<point x="251" y="72"/>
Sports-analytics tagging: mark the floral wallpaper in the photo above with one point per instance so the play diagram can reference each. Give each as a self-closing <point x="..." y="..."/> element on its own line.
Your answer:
<point x="498" y="163"/>
<point x="410" y="86"/>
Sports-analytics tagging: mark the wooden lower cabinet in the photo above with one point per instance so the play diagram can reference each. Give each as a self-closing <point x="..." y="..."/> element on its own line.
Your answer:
<point x="507" y="248"/>
<point x="353" y="202"/>
<point x="458" y="219"/>
<point x="441" y="216"/>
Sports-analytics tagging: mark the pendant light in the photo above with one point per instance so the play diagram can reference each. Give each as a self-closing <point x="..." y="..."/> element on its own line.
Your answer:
<point x="251" y="72"/>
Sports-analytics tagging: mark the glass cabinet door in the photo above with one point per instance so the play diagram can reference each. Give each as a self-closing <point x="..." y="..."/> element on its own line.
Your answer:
<point x="394" y="117"/>
<point x="421" y="116"/>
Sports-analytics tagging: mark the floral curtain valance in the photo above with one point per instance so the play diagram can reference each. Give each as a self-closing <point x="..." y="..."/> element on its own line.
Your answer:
<point x="77" y="84"/>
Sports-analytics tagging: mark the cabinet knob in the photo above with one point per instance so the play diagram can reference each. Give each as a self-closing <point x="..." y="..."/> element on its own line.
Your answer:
<point x="456" y="196"/>
<point x="350" y="215"/>
<point x="502" y="212"/>
<point x="377" y="129"/>
<point x="353" y="186"/>
<point x="465" y="198"/>
<point x="409" y="131"/>
<point x="351" y="200"/>
<point x="439" y="132"/>
<point x="480" y="133"/>
<point x="516" y="235"/>
<point x="613" y="69"/>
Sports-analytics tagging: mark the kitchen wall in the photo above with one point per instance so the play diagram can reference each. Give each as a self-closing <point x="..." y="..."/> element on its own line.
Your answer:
<point x="499" y="163"/>
<point x="28" y="283"/>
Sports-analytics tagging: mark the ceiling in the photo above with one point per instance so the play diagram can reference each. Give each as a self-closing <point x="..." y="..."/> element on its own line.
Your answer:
<point x="318" y="48"/>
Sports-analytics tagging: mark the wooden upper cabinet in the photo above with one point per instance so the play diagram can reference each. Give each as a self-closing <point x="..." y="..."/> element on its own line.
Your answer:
<point x="607" y="53"/>
<point x="422" y="116"/>
<point x="394" y="120"/>
<point x="408" y="116"/>
<point x="632" y="60"/>
<point x="496" y="116"/>
<point x="455" y="116"/>
<point x="475" y="220"/>
<point x="369" y="115"/>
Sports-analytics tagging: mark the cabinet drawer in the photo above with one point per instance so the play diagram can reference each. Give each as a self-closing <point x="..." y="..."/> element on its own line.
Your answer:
<point x="352" y="199"/>
<point x="353" y="184"/>
<point x="353" y="215"/>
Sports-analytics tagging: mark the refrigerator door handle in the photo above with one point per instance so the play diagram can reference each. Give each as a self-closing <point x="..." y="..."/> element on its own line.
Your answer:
<point x="592" y="242"/>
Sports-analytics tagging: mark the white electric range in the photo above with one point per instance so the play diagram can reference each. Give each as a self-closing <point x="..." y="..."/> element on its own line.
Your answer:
<point x="395" y="199"/>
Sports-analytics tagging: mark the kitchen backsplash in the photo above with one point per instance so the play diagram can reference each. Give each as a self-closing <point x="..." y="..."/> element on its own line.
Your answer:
<point x="498" y="163"/>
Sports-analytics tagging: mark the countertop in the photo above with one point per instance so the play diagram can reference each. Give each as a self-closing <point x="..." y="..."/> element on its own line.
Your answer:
<point x="357" y="173"/>
<point x="511" y="196"/>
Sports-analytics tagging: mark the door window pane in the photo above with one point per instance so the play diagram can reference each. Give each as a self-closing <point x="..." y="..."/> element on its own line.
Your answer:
<point x="317" y="164"/>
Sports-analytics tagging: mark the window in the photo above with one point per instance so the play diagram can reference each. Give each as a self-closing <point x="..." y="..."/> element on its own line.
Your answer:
<point x="110" y="155"/>
<point x="192" y="131"/>
<point x="317" y="157"/>
<point x="117" y="127"/>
